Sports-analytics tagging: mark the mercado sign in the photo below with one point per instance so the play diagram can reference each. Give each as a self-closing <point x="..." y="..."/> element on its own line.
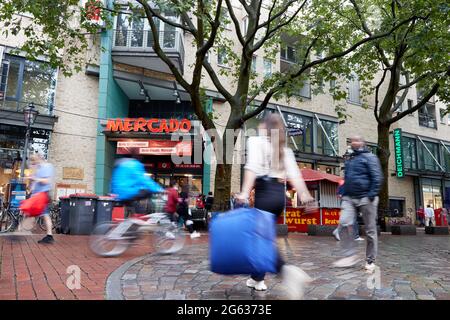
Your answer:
<point x="148" y="125"/>
<point x="399" y="162"/>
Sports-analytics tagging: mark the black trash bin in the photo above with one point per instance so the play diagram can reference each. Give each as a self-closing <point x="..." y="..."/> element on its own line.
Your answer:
<point x="65" y="214"/>
<point x="82" y="212"/>
<point x="103" y="212"/>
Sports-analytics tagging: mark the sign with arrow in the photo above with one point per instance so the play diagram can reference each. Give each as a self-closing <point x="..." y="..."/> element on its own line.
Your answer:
<point x="294" y="132"/>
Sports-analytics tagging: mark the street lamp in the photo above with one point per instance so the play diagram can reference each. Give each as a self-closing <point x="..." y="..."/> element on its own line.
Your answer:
<point x="30" y="114"/>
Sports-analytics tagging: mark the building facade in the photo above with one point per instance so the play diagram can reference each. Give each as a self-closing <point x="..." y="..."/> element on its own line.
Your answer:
<point x="127" y="103"/>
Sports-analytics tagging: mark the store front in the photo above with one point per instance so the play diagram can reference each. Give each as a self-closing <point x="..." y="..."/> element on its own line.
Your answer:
<point x="169" y="146"/>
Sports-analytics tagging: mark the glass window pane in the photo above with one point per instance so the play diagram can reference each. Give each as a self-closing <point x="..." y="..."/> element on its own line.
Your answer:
<point x="169" y="36"/>
<point x="38" y="84"/>
<point x="13" y="79"/>
<point x="323" y="146"/>
<point x="137" y="35"/>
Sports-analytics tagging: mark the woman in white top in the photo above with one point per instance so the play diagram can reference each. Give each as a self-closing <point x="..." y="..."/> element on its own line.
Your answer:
<point x="269" y="163"/>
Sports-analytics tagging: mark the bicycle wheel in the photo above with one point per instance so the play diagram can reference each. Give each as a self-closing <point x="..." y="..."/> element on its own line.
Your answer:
<point x="7" y="221"/>
<point x="103" y="245"/>
<point x="169" y="240"/>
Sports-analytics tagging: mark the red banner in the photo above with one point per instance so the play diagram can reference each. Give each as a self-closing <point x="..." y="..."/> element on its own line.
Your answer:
<point x="298" y="221"/>
<point x="155" y="147"/>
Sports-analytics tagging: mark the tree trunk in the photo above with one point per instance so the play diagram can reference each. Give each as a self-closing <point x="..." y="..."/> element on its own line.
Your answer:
<point x="222" y="187"/>
<point x="383" y="155"/>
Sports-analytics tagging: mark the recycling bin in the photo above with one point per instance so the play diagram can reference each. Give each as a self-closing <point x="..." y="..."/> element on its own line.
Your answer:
<point x="104" y="208"/>
<point x="65" y="214"/>
<point x="82" y="212"/>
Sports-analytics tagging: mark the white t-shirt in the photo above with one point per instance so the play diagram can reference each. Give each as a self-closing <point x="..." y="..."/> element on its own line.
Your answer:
<point x="429" y="212"/>
<point x="259" y="159"/>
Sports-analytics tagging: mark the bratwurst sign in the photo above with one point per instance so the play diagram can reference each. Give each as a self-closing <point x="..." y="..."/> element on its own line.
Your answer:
<point x="148" y="125"/>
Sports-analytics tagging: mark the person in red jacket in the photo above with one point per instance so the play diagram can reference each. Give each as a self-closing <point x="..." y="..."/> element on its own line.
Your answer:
<point x="172" y="200"/>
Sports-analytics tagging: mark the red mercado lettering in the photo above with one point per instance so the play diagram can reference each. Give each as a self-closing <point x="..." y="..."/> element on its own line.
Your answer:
<point x="150" y="125"/>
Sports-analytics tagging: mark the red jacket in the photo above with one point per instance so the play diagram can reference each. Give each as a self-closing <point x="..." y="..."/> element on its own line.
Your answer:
<point x="172" y="200"/>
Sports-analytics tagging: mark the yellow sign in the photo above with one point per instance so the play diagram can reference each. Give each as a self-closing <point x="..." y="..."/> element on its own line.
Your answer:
<point x="73" y="173"/>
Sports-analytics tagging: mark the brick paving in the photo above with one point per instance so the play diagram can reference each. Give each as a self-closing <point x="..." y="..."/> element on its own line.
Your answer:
<point x="35" y="271"/>
<point x="411" y="267"/>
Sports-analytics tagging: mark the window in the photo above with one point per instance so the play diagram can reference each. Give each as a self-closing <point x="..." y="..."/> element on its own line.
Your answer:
<point x="426" y="161"/>
<point x="226" y="18"/>
<point x="427" y="116"/>
<point x="254" y="59"/>
<point x="410" y="105"/>
<point x="305" y="89"/>
<point x="353" y="90"/>
<point x="443" y="116"/>
<point x="332" y="84"/>
<point x="29" y="81"/>
<point x="222" y="59"/>
<point x="304" y="141"/>
<point x="400" y="107"/>
<point x="288" y="54"/>
<point x="244" y="26"/>
<point x="446" y="152"/>
<point x="323" y="146"/>
<point x="410" y="153"/>
<point x="267" y="68"/>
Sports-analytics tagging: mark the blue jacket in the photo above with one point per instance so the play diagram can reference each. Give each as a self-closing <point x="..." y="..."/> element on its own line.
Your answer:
<point x="363" y="175"/>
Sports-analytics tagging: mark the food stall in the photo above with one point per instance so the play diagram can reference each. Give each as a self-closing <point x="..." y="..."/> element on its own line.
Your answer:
<point x="323" y="187"/>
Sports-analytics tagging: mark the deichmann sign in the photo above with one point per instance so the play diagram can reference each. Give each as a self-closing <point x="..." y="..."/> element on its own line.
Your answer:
<point x="148" y="125"/>
<point x="398" y="153"/>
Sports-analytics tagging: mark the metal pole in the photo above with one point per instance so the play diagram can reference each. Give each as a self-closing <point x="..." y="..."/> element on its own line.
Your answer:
<point x="25" y="152"/>
<point x="431" y="154"/>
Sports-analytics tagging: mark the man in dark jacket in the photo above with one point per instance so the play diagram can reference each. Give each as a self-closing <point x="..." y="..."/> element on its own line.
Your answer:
<point x="363" y="179"/>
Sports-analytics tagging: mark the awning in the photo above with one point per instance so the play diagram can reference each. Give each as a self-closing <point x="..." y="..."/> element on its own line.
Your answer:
<point x="310" y="175"/>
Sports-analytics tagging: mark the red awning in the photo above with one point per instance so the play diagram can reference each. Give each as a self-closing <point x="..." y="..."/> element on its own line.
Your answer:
<point x="310" y="175"/>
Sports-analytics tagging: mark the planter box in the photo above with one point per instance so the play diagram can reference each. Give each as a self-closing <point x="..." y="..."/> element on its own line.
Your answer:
<point x="436" y="230"/>
<point x="318" y="230"/>
<point x="409" y="230"/>
<point x="282" y="230"/>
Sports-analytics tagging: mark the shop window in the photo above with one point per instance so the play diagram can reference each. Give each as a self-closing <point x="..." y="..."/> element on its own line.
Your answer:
<point x="29" y="81"/>
<point x="410" y="153"/>
<point x="323" y="146"/>
<point x="431" y="190"/>
<point x="426" y="161"/>
<point x="396" y="207"/>
<point x="446" y="152"/>
<point x="353" y="90"/>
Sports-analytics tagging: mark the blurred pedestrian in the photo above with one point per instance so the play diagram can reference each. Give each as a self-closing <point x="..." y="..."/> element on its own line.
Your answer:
<point x="209" y="202"/>
<point x="429" y="216"/>
<point x="269" y="163"/>
<point x="360" y="194"/>
<point x="421" y="216"/>
<point x="41" y="181"/>
<point x="172" y="200"/>
<point x="183" y="212"/>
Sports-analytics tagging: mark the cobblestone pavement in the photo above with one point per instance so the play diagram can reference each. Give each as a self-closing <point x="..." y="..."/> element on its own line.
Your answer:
<point x="411" y="267"/>
<point x="37" y="271"/>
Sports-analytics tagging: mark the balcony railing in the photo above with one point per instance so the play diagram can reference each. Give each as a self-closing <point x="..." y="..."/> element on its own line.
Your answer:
<point x="144" y="40"/>
<point x="427" y="121"/>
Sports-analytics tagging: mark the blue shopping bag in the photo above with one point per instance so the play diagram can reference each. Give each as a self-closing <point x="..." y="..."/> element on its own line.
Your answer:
<point x="242" y="241"/>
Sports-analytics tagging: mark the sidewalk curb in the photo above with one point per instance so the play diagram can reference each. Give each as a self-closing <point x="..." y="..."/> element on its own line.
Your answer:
<point x="113" y="289"/>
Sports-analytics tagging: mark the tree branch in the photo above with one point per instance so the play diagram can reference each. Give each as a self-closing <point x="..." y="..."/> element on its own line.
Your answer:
<point x="216" y="81"/>
<point x="377" y="89"/>
<point x="420" y="78"/>
<point x="236" y="22"/>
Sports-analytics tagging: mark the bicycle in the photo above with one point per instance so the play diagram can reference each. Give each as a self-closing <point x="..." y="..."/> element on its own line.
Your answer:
<point x="111" y="239"/>
<point x="54" y="211"/>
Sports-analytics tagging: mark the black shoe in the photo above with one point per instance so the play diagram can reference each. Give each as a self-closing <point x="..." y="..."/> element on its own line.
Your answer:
<point x="47" y="239"/>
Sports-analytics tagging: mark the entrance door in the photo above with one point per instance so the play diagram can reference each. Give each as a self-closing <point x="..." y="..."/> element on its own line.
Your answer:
<point x="432" y="195"/>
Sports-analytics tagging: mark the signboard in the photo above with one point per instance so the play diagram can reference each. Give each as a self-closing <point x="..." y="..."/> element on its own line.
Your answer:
<point x="298" y="221"/>
<point x="294" y="132"/>
<point x="73" y="173"/>
<point x="399" y="161"/>
<point x="155" y="147"/>
<point x="188" y="166"/>
<point x="66" y="189"/>
<point x="148" y="125"/>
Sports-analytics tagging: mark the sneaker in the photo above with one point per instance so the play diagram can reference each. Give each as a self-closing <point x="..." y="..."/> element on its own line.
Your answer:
<point x="47" y="239"/>
<point x="257" y="285"/>
<point x="336" y="234"/>
<point x="370" y="267"/>
<point x="170" y="235"/>
<point x="346" y="262"/>
<point x="195" y="234"/>
<point x="294" y="281"/>
<point x="359" y="239"/>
